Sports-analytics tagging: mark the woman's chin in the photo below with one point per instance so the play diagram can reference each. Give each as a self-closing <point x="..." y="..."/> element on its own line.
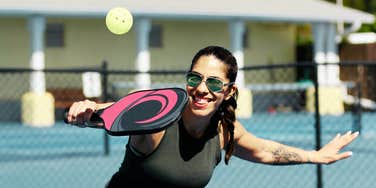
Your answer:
<point x="200" y="112"/>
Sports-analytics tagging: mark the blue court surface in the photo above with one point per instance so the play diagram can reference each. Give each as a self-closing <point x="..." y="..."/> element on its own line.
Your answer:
<point x="65" y="156"/>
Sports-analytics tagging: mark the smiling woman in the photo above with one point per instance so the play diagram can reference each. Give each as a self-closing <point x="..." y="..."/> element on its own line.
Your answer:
<point x="186" y="153"/>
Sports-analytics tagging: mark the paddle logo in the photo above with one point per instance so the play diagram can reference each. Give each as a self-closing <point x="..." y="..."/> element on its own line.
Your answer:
<point x="164" y="99"/>
<point x="140" y="109"/>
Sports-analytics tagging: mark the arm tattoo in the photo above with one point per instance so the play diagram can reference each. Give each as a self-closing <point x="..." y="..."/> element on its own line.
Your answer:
<point x="282" y="156"/>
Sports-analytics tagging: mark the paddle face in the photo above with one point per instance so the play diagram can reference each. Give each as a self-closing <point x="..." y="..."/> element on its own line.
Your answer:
<point x="145" y="111"/>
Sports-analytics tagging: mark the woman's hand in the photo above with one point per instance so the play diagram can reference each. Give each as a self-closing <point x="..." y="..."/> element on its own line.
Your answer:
<point x="330" y="153"/>
<point x="81" y="112"/>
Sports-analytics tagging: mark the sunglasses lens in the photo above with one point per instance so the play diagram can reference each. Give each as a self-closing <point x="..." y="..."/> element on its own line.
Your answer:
<point x="193" y="80"/>
<point x="214" y="85"/>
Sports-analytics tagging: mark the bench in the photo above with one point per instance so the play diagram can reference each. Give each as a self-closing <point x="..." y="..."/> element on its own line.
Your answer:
<point x="64" y="97"/>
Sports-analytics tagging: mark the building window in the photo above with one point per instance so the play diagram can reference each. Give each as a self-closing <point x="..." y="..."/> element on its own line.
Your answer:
<point x="55" y="35"/>
<point x="155" y="37"/>
<point x="246" y="38"/>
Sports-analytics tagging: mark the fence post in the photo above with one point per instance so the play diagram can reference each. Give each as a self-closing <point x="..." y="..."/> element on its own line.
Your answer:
<point x="357" y="124"/>
<point x="317" y="123"/>
<point x="105" y="99"/>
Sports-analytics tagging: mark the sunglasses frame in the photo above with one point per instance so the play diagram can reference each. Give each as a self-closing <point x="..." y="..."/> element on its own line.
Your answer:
<point x="206" y="81"/>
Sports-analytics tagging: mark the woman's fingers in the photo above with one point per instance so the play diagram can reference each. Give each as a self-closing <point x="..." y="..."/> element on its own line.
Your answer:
<point x="340" y="141"/>
<point x="331" y="152"/>
<point x="335" y="139"/>
<point x="72" y="112"/>
<point x="345" y="155"/>
<point x="348" y="138"/>
<point x="88" y="114"/>
<point x="81" y="111"/>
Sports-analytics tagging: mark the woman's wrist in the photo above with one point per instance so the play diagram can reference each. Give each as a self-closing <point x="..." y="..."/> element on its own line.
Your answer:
<point x="310" y="156"/>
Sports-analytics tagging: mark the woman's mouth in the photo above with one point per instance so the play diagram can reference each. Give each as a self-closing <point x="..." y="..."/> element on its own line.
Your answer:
<point x="200" y="102"/>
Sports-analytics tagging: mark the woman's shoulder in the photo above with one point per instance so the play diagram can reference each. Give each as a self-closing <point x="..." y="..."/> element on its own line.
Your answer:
<point x="239" y="130"/>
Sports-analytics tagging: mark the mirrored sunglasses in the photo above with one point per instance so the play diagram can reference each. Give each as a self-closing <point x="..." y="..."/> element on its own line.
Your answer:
<point x="212" y="83"/>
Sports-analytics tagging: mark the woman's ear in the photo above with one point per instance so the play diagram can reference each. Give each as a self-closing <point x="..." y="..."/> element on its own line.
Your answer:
<point x="230" y="92"/>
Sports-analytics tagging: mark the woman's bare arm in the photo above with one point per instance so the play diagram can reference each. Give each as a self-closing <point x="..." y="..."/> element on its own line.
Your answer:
<point x="252" y="148"/>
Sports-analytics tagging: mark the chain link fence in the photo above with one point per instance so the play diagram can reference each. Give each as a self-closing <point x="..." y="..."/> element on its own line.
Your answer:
<point x="283" y="109"/>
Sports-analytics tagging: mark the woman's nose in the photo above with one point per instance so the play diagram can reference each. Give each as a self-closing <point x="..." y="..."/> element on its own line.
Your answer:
<point x="202" y="87"/>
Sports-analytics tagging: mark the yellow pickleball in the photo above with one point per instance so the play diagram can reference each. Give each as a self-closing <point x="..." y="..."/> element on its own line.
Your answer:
<point x="119" y="20"/>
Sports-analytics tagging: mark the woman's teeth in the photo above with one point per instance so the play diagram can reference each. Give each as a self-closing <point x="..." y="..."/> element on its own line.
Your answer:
<point x="201" y="100"/>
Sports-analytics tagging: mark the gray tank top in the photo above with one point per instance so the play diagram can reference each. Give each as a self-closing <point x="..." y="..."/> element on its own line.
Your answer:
<point x="179" y="161"/>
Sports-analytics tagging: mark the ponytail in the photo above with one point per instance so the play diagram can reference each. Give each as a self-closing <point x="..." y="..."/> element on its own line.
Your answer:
<point x="227" y="118"/>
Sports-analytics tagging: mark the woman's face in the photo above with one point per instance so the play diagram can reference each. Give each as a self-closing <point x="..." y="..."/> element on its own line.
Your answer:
<point x="203" y="102"/>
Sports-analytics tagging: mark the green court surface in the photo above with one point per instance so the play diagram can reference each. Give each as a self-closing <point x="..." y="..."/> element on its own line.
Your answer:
<point x="66" y="156"/>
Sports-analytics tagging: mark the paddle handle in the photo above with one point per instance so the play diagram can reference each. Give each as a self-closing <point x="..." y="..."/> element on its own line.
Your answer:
<point x="95" y="120"/>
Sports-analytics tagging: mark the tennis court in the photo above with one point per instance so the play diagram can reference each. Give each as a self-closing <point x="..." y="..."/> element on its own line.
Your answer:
<point x="65" y="156"/>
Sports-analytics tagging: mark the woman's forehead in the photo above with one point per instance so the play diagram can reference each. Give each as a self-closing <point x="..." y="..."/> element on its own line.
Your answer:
<point x="210" y="66"/>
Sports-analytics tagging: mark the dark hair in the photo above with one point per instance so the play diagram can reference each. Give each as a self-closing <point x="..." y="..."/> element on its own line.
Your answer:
<point x="226" y="112"/>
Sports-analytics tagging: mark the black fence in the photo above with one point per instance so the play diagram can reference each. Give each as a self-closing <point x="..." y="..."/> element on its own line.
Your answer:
<point x="284" y="107"/>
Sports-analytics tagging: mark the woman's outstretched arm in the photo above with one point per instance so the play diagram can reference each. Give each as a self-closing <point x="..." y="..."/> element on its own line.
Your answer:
<point x="252" y="148"/>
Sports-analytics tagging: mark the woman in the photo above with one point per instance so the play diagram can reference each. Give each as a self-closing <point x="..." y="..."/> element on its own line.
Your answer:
<point x="185" y="154"/>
